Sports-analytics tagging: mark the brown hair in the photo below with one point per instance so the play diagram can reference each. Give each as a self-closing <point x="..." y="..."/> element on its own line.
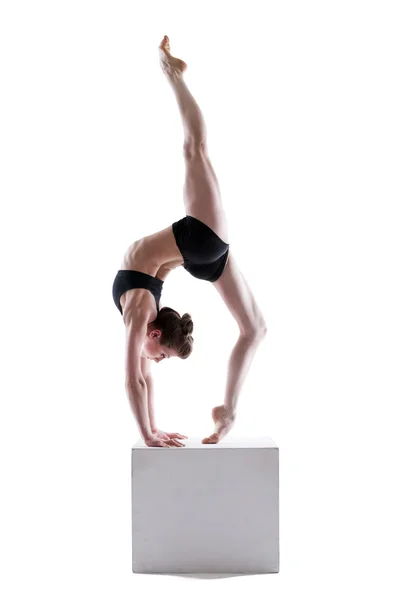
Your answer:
<point x="176" y="331"/>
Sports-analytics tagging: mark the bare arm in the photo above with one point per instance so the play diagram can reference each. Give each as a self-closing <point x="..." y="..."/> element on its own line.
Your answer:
<point x="137" y="394"/>
<point x="171" y="438"/>
<point x="150" y="402"/>
<point x="135" y="383"/>
<point x="148" y="377"/>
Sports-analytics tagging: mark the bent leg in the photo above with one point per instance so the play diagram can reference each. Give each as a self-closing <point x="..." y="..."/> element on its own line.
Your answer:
<point x="239" y="299"/>
<point x="241" y="303"/>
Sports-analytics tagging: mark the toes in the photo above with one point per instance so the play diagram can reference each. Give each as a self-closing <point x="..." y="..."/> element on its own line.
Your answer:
<point x="213" y="439"/>
<point x="165" y="43"/>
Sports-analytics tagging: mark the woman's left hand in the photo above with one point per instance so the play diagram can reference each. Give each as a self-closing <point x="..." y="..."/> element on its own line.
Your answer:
<point x="168" y="436"/>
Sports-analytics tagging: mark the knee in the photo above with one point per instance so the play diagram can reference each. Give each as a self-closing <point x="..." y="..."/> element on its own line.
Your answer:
<point x="260" y="325"/>
<point x="257" y="331"/>
<point x="261" y="330"/>
<point x="194" y="147"/>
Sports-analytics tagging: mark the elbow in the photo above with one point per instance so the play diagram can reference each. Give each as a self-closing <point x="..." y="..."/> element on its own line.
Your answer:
<point x="135" y="382"/>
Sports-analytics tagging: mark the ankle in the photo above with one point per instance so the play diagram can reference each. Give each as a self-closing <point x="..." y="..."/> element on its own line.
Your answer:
<point x="173" y="76"/>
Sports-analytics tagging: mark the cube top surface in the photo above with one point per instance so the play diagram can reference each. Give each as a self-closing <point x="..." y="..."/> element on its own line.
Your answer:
<point x="231" y="442"/>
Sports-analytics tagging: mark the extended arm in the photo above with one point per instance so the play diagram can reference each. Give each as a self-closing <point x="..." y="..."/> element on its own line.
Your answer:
<point x="135" y="383"/>
<point x="150" y="402"/>
<point x="172" y="437"/>
<point x="137" y="395"/>
<point x="136" y="386"/>
<point x="148" y="377"/>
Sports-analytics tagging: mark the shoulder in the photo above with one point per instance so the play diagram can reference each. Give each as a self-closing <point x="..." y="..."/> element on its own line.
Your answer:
<point x="139" y="306"/>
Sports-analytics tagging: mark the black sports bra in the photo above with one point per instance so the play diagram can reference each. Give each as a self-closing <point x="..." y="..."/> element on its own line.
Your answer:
<point x="127" y="279"/>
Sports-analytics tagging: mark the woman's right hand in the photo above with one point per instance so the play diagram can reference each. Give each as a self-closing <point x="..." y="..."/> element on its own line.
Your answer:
<point x="155" y="440"/>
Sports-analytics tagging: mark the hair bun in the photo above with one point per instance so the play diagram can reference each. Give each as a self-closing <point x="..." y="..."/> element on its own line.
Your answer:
<point x="187" y="324"/>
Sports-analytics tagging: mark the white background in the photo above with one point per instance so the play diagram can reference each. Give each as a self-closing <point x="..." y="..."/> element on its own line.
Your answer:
<point x="301" y="101"/>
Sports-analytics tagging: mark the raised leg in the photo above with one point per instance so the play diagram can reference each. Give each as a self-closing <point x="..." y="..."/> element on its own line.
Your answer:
<point x="202" y="196"/>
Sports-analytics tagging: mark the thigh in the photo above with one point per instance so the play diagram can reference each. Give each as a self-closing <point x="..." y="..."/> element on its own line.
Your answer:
<point x="201" y="193"/>
<point x="239" y="299"/>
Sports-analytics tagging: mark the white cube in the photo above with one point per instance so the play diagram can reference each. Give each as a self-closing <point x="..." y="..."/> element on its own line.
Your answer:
<point x="206" y="508"/>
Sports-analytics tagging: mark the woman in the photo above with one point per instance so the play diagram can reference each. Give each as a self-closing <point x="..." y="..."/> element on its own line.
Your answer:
<point x="199" y="243"/>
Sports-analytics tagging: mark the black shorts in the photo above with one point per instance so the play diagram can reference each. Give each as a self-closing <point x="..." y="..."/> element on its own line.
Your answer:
<point x="204" y="253"/>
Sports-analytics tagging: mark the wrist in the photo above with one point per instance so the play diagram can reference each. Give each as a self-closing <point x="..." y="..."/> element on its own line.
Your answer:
<point x="146" y="434"/>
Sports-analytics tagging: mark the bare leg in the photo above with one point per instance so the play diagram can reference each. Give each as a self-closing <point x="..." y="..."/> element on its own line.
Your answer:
<point x="202" y="195"/>
<point x="194" y="126"/>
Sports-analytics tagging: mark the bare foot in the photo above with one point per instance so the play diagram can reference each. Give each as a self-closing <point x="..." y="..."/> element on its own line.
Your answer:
<point x="224" y="419"/>
<point x="169" y="64"/>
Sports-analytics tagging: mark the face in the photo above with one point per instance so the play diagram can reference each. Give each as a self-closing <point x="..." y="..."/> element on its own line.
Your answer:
<point x="153" y="350"/>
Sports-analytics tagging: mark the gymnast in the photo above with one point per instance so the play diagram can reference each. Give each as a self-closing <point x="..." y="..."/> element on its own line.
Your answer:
<point x="199" y="243"/>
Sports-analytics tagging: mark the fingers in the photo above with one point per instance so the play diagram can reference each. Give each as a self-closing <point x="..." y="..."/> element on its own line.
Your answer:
<point x="167" y="440"/>
<point x="161" y="443"/>
<point x="175" y="443"/>
<point x="166" y="444"/>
